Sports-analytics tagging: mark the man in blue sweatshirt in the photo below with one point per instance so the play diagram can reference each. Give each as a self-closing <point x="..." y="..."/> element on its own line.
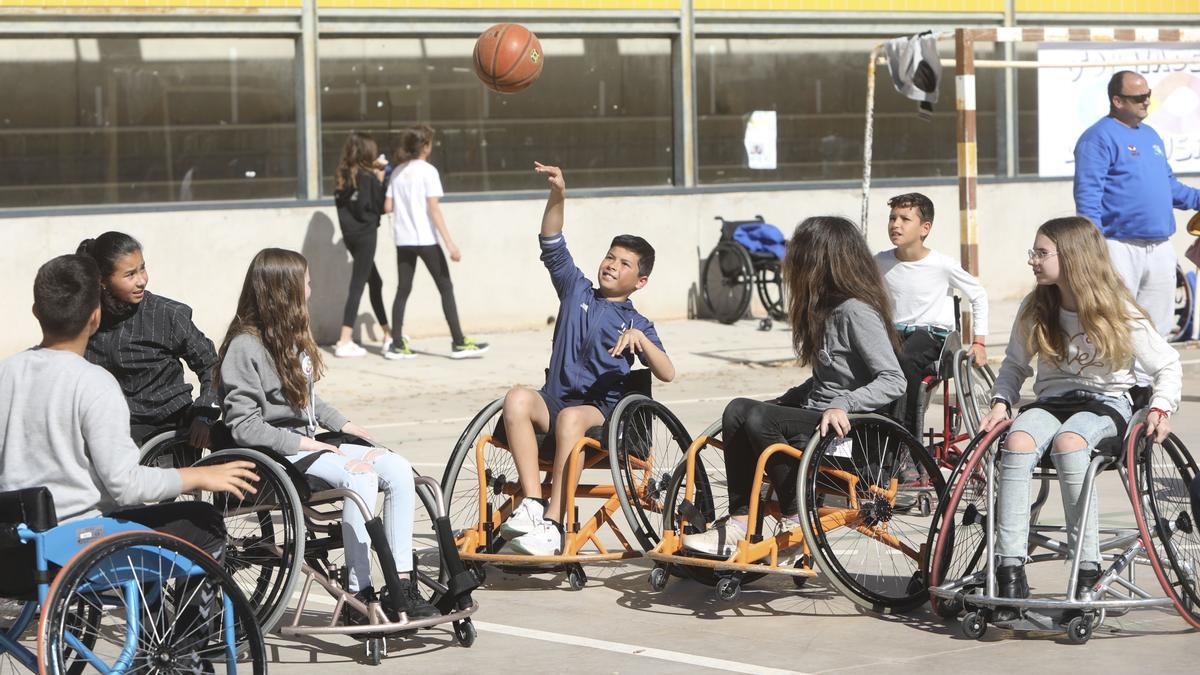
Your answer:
<point x="596" y="338"/>
<point x="1125" y="186"/>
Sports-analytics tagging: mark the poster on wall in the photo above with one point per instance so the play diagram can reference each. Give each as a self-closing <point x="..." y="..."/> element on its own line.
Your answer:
<point x="1071" y="99"/>
<point x="760" y="140"/>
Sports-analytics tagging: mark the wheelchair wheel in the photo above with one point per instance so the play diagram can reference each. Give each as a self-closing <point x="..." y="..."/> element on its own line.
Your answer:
<point x="860" y="499"/>
<point x="265" y="535"/>
<point x="1184" y="303"/>
<point x="1165" y="492"/>
<point x="16" y="616"/>
<point x="646" y="442"/>
<point x="973" y="389"/>
<point x="726" y="282"/>
<point x="957" y="541"/>
<point x="171" y="451"/>
<point x="187" y="612"/>
<point x="768" y="279"/>
<point x="460" y="481"/>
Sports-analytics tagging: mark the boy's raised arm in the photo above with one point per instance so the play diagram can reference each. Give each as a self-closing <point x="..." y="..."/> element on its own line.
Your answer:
<point x="552" y="218"/>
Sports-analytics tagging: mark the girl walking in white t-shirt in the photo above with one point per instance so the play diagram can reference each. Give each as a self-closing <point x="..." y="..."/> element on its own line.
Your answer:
<point x="1086" y="332"/>
<point x="412" y="199"/>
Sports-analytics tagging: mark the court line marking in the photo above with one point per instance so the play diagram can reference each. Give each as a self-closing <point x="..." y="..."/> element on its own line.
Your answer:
<point x="679" y="401"/>
<point x="617" y="647"/>
<point x="632" y="650"/>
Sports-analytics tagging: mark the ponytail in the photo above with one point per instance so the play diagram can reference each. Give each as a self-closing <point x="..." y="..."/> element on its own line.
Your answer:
<point x="107" y="249"/>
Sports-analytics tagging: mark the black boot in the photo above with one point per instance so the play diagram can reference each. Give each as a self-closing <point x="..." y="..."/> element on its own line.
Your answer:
<point x="1088" y="578"/>
<point x="1010" y="583"/>
<point x="407" y="599"/>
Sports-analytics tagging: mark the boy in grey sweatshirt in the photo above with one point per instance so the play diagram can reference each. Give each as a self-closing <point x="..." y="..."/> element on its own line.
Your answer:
<point x="64" y="424"/>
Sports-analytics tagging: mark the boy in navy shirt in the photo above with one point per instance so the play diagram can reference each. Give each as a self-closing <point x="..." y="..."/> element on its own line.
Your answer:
<point x="596" y="338"/>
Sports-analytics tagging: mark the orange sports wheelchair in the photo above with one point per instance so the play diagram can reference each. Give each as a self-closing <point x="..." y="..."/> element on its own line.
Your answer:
<point x="863" y="520"/>
<point x="640" y="444"/>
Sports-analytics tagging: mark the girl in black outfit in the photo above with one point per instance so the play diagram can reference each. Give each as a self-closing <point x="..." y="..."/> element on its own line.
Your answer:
<point x="141" y="340"/>
<point x="359" y="194"/>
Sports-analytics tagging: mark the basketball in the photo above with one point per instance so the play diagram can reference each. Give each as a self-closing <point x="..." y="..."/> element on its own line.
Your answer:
<point x="508" y="58"/>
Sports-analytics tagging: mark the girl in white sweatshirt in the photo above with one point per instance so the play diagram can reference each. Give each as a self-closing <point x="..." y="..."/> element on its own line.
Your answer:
<point x="1086" y="332"/>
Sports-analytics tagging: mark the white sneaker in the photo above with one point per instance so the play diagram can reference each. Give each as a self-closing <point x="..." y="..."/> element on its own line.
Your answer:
<point x="545" y="539"/>
<point x="348" y="350"/>
<point x="719" y="540"/>
<point x="527" y="516"/>
<point x="387" y="344"/>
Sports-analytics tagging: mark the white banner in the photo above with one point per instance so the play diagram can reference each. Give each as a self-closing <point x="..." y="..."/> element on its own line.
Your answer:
<point x="1072" y="99"/>
<point x="760" y="140"/>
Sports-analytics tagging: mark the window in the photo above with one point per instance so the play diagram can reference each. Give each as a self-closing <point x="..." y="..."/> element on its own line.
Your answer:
<point x="601" y="110"/>
<point x="817" y="88"/>
<point x="106" y="121"/>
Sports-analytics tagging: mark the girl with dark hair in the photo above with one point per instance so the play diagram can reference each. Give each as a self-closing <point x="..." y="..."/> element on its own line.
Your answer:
<point x="359" y="195"/>
<point x="412" y="199"/>
<point x="141" y="341"/>
<point x="267" y="374"/>
<point x="841" y="327"/>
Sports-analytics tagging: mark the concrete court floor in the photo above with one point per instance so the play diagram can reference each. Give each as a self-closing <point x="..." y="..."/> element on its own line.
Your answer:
<point x="535" y="624"/>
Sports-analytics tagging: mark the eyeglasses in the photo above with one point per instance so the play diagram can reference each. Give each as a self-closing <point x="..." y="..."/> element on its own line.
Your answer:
<point x="1039" y="256"/>
<point x="1138" y="98"/>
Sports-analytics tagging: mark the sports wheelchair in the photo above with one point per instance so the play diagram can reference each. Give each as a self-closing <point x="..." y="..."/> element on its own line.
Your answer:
<point x="291" y="530"/>
<point x="1161" y="482"/>
<point x="642" y="442"/>
<point x="861" y="519"/>
<point x="109" y="596"/>
<point x="732" y="274"/>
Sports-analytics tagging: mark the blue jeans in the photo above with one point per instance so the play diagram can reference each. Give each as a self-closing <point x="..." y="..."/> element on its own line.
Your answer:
<point x="391" y="472"/>
<point x="1016" y="472"/>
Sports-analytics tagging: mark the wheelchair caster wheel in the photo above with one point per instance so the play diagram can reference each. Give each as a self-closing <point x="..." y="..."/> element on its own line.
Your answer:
<point x="464" y="632"/>
<point x="728" y="588"/>
<point x="480" y="574"/>
<point x="765" y="325"/>
<point x="576" y="577"/>
<point x="973" y="625"/>
<point x="804" y="562"/>
<point x="658" y="578"/>
<point x="376" y="650"/>
<point x="924" y="505"/>
<point x="1079" y="630"/>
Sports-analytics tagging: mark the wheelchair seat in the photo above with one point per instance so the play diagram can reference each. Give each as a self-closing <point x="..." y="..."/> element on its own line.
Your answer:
<point x="33" y="507"/>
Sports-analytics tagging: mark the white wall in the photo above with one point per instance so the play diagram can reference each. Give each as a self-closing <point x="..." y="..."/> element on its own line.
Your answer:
<point x="200" y="257"/>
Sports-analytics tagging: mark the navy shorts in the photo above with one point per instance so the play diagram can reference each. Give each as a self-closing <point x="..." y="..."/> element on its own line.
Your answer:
<point x="557" y="405"/>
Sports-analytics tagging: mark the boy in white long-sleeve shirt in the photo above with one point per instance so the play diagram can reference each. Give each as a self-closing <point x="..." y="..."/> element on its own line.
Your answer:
<point x="919" y="281"/>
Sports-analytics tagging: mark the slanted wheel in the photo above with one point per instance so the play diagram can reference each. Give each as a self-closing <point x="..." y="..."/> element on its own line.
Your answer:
<point x="858" y="500"/>
<point x="646" y="442"/>
<point x="1184" y="299"/>
<point x="972" y="390"/>
<point x="1079" y="629"/>
<point x="973" y="625"/>
<point x="181" y="602"/>
<point x="461" y="479"/>
<point x="1165" y="494"/>
<point x="658" y="578"/>
<point x="576" y="577"/>
<point x="728" y="588"/>
<point x="265" y="534"/>
<point x="465" y="633"/>
<point x="957" y="540"/>
<point x="726" y="282"/>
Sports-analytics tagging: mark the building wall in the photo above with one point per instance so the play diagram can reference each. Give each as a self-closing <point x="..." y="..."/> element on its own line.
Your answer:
<point x="199" y="257"/>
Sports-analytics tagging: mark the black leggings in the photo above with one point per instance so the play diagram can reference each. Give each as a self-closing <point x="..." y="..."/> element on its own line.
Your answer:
<point x="363" y="273"/>
<point x="918" y="357"/>
<point x="406" y="267"/>
<point x="747" y="428"/>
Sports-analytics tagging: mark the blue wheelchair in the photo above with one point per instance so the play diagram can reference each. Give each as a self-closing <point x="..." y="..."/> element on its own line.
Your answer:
<point x="110" y="596"/>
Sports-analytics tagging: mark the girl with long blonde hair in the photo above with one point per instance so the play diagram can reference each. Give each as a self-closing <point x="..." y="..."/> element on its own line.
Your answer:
<point x="1086" y="332"/>
<point x="267" y="371"/>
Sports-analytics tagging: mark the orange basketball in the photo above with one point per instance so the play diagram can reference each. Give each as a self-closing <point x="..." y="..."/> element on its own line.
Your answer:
<point x="508" y="58"/>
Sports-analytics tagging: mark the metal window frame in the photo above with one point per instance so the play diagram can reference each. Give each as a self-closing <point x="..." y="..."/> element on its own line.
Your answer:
<point x="306" y="25"/>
